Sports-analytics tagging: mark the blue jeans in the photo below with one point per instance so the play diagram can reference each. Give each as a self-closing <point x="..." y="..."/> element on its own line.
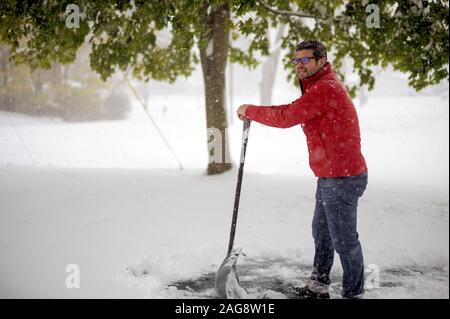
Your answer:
<point x="334" y="228"/>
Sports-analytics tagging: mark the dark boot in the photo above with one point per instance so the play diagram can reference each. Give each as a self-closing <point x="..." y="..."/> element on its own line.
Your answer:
<point x="306" y="293"/>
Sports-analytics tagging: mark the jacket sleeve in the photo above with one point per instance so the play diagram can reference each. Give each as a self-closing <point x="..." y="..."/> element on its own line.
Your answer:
<point x="313" y="103"/>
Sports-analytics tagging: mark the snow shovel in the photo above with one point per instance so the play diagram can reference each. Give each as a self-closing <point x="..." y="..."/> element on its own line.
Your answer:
<point x="227" y="281"/>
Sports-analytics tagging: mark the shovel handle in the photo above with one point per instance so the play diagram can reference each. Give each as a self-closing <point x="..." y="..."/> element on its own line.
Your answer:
<point x="245" y="132"/>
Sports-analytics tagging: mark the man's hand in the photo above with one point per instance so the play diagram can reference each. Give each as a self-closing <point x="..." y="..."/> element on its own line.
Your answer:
<point x="241" y="111"/>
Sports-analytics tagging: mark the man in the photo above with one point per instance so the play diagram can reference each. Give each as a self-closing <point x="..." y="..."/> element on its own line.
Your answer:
<point x="329" y="120"/>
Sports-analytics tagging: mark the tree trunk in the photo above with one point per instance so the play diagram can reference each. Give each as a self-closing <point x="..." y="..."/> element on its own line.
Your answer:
<point x="270" y="68"/>
<point x="213" y="48"/>
<point x="4" y="79"/>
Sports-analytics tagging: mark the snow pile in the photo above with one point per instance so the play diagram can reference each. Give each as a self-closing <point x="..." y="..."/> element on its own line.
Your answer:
<point x="156" y="273"/>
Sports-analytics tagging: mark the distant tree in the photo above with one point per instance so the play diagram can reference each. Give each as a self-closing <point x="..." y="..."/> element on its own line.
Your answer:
<point x="410" y="35"/>
<point x="270" y="66"/>
<point x="71" y="92"/>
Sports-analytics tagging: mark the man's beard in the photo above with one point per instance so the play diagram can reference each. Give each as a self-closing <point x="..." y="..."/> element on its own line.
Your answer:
<point x="306" y="74"/>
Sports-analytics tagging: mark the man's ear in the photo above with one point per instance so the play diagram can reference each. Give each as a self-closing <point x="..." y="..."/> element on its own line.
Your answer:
<point x="322" y="62"/>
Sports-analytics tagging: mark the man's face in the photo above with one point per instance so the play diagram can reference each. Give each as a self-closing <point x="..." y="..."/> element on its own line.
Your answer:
<point x="310" y="68"/>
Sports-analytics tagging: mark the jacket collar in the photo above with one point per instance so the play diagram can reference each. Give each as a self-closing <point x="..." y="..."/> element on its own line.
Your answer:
<point x="306" y="83"/>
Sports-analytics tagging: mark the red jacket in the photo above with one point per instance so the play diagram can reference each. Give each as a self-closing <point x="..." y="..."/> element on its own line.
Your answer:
<point x="329" y="120"/>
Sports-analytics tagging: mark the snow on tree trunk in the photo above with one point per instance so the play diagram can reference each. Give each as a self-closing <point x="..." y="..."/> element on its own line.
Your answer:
<point x="213" y="58"/>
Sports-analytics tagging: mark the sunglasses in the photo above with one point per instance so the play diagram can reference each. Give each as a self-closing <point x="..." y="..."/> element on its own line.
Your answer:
<point x="304" y="60"/>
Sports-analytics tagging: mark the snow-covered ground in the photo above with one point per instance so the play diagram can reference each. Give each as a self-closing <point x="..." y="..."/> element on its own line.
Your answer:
<point x="109" y="198"/>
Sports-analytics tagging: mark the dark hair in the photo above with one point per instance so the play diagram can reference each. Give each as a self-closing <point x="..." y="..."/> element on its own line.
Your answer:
<point x="317" y="47"/>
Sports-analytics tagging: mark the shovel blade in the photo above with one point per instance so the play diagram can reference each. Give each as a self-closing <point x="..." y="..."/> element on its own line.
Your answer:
<point x="227" y="280"/>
